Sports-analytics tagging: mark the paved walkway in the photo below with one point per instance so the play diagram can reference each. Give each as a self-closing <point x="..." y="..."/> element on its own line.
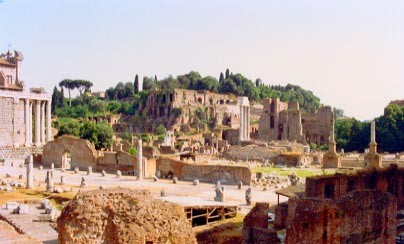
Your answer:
<point x="30" y="225"/>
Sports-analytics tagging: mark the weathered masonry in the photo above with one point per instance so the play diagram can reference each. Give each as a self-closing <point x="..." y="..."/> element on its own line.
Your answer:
<point x="25" y="116"/>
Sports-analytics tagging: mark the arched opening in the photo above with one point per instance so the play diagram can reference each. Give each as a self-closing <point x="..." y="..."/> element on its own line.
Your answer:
<point x="66" y="160"/>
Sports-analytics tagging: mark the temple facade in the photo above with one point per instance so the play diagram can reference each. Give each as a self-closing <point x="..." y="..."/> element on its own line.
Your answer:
<point x="25" y="115"/>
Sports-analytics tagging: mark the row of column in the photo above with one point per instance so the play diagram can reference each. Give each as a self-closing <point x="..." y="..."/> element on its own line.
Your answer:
<point x="244" y="133"/>
<point x="42" y="122"/>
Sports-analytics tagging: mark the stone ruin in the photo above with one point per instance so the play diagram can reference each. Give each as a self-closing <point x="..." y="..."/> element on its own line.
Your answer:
<point x="364" y="216"/>
<point x="123" y="216"/>
<point x="255" y="226"/>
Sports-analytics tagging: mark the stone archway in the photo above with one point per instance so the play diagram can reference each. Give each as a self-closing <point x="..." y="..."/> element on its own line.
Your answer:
<point x="66" y="160"/>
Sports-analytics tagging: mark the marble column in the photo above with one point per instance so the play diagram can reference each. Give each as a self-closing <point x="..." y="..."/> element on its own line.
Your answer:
<point x="372" y="131"/>
<point x="42" y="122"/>
<point x="27" y="122"/>
<point x="140" y="159"/>
<point x="37" y="123"/>
<point x="30" y="172"/>
<point x="48" y="121"/>
<point x="30" y="123"/>
<point x="241" y="130"/>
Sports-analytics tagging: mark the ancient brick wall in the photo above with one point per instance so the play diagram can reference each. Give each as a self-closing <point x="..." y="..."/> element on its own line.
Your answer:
<point x="123" y="216"/>
<point x="82" y="152"/>
<point x="204" y="172"/>
<point x="112" y="161"/>
<point x="334" y="186"/>
<point x="255" y="226"/>
<point x="360" y="217"/>
<point x="12" y="124"/>
<point x="368" y="216"/>
<point x="312" y="220"/>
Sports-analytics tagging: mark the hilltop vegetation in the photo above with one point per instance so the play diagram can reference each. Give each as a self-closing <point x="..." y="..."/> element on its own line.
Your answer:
<point x="126" y="99"/>
<point x="229" y="83"/>
<point x="354" y="135"/>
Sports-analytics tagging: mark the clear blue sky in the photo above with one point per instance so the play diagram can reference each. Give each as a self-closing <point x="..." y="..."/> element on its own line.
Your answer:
<point x="349" y="53"/>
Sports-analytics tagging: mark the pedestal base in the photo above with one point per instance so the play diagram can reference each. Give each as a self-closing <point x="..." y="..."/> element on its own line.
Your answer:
<point x="331" y="160"/>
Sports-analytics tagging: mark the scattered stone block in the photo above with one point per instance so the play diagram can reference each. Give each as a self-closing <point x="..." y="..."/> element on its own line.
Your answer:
<point x="196" y="182"/>
<point x="101" y="187"/>
<point x="248" y="196"/>
<point x="4" y="182"/>
<point x="41" y="167"/>
<point x="239" y="185"/>
<point x="76" y="170"/>
<point x="11" y="205"/>
<point x="90" y="170"/>
<point x="19" y="185"/>
<point x="118" y="174"/>
<point x="52" y="166"/>
<point x="155" y="179"/>
<point x="163" y="193"/>
<point x="175" y="179"/>
<point x="20" y="177"/>
<point x="83" y="182"/>
<point x="13" y="183"/>
<point x="45" y="203"/>
<point x="23" y="209"/>
<point x="62" y="179"/>
<point x="58" y="190"/>
<point x="103" y="173"/>
<point x="8" y="175"/>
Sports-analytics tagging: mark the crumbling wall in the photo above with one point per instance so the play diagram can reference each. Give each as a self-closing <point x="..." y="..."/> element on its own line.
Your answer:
<point x="122" y="216"/>
<point x="255" y="226"/>
<point x="334" y="186"/>
<point x="360" y="217"/>
<point x="82" y="152"/>
<point x="312" y="220"/>
<point x="112" y="161"/>
<point x="204" y="172"/>
<point x="368" y="216"/>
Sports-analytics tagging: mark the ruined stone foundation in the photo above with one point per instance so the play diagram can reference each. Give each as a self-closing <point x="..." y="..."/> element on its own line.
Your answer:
<point x="360" y="217"/>
<point x="123" y="216"/>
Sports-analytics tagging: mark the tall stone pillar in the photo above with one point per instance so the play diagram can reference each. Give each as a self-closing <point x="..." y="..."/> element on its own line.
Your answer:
<point x="42" y="122"/>
<point x="30" y="123"/>
<point x="331" y="159"/>
<point x="30" y="172"/>
<point x="373" y="159"/>
<point x="48" y="121"/>
<point x="27" y="122"/>
<point x="140" y="159"/>
<point x="37" y="123"/>
<point x="373" y="144"/>
<point x="244" y="132"/>
<point x="241" y="130"/>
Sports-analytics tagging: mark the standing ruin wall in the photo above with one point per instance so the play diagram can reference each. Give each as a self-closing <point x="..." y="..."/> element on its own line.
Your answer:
<point x="204" y="172"/>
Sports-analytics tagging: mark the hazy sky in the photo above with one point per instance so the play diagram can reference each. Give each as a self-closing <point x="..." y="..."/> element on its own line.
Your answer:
<point x="349" y="53"/>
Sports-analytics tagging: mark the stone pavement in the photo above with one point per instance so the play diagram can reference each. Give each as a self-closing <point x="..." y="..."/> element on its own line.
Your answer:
<point x="30" y="225"/>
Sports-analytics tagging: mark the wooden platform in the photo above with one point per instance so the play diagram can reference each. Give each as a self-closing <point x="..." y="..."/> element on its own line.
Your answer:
<point x="202" y="212"/>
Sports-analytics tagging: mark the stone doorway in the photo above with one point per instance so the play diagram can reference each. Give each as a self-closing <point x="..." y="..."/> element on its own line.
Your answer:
<point x="66" y="160"/>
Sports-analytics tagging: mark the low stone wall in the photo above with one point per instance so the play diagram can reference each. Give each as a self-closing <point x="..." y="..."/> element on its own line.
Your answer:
<point x="112" y="161"/>
<point x="204" y="172"/>
<point x="18" y="153"/>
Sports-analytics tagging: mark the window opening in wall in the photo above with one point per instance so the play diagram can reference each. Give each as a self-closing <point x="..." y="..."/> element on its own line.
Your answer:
<point x="329" y="191"/>
<point x="351" y="185"/>
<point x="272" y="122"/>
